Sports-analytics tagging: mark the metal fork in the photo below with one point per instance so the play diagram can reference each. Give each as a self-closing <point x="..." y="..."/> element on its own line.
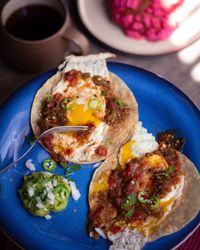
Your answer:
<point x="59" y="129"/>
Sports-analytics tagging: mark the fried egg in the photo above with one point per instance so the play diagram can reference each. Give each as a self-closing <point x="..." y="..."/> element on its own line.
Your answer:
<point x="167" y="204"/>
<point x="86" y="106"/>
<point x="140" y="143"/>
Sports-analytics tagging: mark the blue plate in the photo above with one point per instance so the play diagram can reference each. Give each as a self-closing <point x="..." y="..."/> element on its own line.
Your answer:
<point x="161" y="106"/>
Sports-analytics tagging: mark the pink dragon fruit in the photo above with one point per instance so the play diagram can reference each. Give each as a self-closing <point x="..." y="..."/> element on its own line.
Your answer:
<point x="145" y="19"/>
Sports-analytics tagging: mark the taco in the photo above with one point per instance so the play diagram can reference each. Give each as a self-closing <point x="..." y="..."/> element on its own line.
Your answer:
<point x="84" y="92"/>
<point x="147" y="197"/>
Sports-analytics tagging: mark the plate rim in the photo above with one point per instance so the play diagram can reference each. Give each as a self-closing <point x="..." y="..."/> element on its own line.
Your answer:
<point x="110" y="63"/>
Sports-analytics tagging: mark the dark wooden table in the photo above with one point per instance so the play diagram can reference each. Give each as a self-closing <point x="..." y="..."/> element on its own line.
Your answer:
<point x="175" y="67"/>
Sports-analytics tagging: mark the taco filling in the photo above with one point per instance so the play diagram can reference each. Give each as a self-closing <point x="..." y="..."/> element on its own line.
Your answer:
<point x="140" y="195"/>
<point x="144" y="192"/>
<point x="82" y="98"/>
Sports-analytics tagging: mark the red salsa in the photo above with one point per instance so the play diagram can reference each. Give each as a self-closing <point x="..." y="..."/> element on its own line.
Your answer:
<point x="134" y="193"/>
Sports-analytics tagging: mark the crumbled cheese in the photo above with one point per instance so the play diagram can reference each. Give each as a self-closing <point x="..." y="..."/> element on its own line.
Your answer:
<point x="30" y="165"/>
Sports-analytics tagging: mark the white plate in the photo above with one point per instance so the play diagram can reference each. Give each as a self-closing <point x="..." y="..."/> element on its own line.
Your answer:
<point x="95" y="17"/>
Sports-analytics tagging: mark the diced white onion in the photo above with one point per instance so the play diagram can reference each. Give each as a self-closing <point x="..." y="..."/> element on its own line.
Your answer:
<point x="31" y="191"/>
<point x="39" y="205"/>
<point x="50" y="195"/>
<point x="30" y="165"/>
<point x="74" y="191"/>
<point x="51" y="202"/>
<point x="48" y="217"/>
<point x="55" y="183"/>
<point x="49" y="184"/>
<point x="48" y="189"/>
<point x="47" y="173"/>
<point x="38" y="199"/>
<point x="100" y="232"/>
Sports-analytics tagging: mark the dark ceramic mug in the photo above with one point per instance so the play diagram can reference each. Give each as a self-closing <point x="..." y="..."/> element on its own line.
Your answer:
<point x="39" y="55"/>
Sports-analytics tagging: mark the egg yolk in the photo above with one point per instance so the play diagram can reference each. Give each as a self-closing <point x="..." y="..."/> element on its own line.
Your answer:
<point x="126" y="153"/>
<point x="156" y="161"/>
<point x="102" y="184"/>
<point x="79" y="115"/>
<point x="166" y="203"/>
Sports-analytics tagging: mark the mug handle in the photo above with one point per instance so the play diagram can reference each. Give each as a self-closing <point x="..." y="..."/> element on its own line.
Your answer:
<point x="77" y="38"/>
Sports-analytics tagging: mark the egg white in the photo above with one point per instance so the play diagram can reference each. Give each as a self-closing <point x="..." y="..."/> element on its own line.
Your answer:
<point x="81" y="95"/>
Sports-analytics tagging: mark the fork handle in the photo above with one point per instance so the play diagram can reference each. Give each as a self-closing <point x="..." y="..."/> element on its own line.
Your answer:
<point x="49" y="131"/>
<point x="22" y="156"/>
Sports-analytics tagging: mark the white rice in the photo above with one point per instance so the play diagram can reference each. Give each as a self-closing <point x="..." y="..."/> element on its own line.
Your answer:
<point x="144" y="142"/>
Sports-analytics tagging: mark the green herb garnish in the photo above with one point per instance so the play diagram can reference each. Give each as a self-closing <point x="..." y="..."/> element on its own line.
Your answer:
<point x="64" y="103"/>
<point x="71" y="169"/>
<point x="155" y="202"/>
<point x="119" y="103"/>
<point x="128" y="214"/>
<point x="166" y="172"/>
<point x="68" y="171"/>
<point x="95" y="104"/>
<point x="143" y="197"/>
<point x="49" y="97"/>
<point x="70" y="179"/>
<point x="104" y="93"/>
<point x="76" y="167"/>
<point x="129" y="201"/>
<point x="63" y="164"/>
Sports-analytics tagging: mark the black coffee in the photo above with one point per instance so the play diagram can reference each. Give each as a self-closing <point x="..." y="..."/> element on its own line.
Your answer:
<point x="34" y="22"/>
